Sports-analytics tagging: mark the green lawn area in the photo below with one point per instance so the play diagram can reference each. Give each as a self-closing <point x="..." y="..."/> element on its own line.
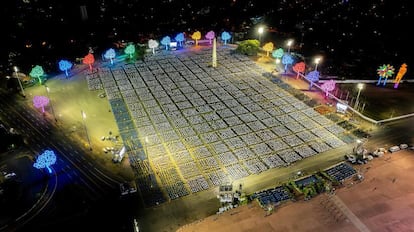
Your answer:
<point x="384" y="102"/>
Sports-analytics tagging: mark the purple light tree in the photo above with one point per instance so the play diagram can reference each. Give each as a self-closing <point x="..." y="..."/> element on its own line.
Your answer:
<point x="312" y="77"/>
<point x="328" y="86"/>
<point x="225" y="36"/>
<point x="210" y="36"/>
<point x="180" y="39"/>
<point x="40" y="102"/>
<point x="166" y="40"/>
<point x="45" y="160"/>
<point x="64" y="66"/>
<point x="110" y="54"/>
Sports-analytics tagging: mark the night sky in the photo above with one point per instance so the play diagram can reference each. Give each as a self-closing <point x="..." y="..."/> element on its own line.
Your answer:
<point x="355" y="37"/>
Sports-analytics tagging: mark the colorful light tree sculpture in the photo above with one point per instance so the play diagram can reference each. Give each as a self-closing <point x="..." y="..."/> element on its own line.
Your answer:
<point x="45" y="160"/>
<point x="196" y="36"/>
<point x="37" y="72"/>
<point x="225" y="36"/>
<point x="384" y="71"/>
<point x="287" y="60"/>
<point x="278" y="53"/>
<point x="40" y="102"/>
<point x="400" y="74"/>
<point x="64" y="66"/>
<point x="153" y="44"/>
<point x="328" y="86"/>
<point x="210" y="36"/>
<point x="110" y="54"/>
<point x="312" y="77"/>
<point x="268" y="47"/>
<point x="299" y="68"/>
<point x="180" y="39"/>
<point x="89" y="60"/>
<point x="166" y="41"/>
<point x="130" y="50"/>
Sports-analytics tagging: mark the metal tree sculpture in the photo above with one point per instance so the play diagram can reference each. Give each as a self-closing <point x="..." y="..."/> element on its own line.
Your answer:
<point x="384" y="71"/>
<point x="153" y="44"/>
<point x="312" y="77"/>
<point x="400" y="74"/>
<point x="196" y="36"/>
<point x="328" y="86"/>
<point x="64" y="66"/>
<point x="45" y="160"/>
<point x="166" y="42"/>
<point x="268" y="47"/>
<point x="299" y="68"/>
<point x="180" y="39"/>
<point x="225" y="36"/>
<point x="210" y="36"/>
<point x="89" y="60"/>
<point x="37" y="72"/>
<point x="286" y="60"/>
<point x="130" y="50"/>
<point x="40" y="102"/>
<point x="110" y="54"/>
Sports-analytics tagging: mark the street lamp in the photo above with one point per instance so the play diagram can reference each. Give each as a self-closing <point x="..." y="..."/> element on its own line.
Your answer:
<point x="50" y="101"/>
<point x="360" y="86"/>
<point x="86" y="130"/>
<point x="16" y="70"/>
<point x="146" y="143"/>
<point x="317" y="61"/>
<point x="289" y="43"/>
<point x="260" y="31"/>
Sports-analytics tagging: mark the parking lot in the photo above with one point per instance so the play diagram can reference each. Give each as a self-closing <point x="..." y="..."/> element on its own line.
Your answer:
<point x="195" y="127"/>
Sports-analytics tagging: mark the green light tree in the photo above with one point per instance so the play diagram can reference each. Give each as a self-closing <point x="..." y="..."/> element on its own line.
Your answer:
<point x="37" y="72"/>
<point x="130" y="50"/>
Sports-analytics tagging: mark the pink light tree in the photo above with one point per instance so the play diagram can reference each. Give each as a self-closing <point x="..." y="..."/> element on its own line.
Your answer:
<point x="299" y="68"/>
<point x="40" y="102"/>
<point x="210" y="36"/>
<point x="328" y="86"/>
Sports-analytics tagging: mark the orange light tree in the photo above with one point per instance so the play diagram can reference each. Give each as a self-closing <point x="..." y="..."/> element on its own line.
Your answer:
<point x="400" y="74"/>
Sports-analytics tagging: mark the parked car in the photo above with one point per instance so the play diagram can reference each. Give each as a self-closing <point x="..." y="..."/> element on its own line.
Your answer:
<point x="403" y="146"/>
<point x="394" y="149"/>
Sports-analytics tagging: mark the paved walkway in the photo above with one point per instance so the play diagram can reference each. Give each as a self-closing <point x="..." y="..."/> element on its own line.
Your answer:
<point x="349" y="214"/>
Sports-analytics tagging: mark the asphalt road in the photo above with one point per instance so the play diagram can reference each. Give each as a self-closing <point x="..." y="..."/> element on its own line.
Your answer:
<point x="83" y="194"/>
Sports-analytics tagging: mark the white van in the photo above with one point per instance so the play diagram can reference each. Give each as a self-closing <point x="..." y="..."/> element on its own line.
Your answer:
<point x="394" y="149"/>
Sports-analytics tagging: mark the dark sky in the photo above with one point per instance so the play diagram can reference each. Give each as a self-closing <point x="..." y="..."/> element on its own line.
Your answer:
<point x="348" y="33"/>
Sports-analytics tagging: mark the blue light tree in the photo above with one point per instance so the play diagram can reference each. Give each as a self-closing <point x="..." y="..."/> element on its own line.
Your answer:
<point x="166" y="41"/>
<point x="110" y="54"/>
<point x="45" y="160"/>
<point x="225" y="36"/>
<point x="278" y="53"/>
<point x="312" y="77"/>
<point x="64" y="66"/>
<point x="180" y="39"/>
<point x="286" y="60"/>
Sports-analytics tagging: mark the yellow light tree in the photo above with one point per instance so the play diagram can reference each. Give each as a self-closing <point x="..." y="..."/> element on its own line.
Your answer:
<point x="268" y="47"/>
<point x="196" y="36"/>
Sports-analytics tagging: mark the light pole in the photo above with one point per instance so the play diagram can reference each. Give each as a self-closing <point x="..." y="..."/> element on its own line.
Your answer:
<point x="316" y="61"/>
<point x="360" y="86"/>
<point x="260" y="31"/>
<point x="50" y="101"/>
<point x="16" y="70"/>
<point x="146" y="143"/>
<point x="86" y="130"/>
<point x="289" y="43"/>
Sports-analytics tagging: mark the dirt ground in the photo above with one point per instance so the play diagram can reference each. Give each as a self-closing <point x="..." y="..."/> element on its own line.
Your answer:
<point x="383" y="201"/>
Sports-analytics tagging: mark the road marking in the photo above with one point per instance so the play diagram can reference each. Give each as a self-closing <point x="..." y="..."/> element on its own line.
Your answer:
<point x="349" y="214"/>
